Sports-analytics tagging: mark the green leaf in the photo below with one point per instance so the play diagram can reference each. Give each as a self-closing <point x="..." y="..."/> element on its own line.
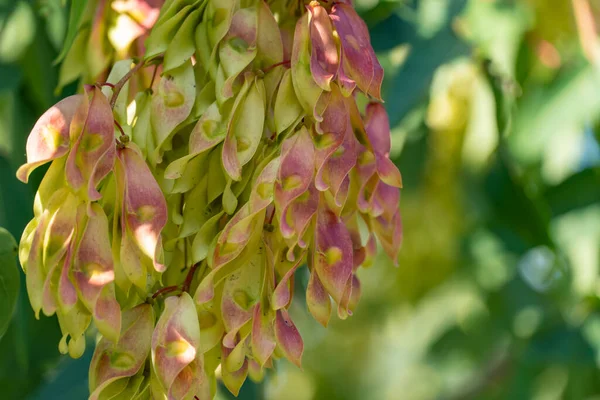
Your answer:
<point x="11" y="77"/>
<point x="564" y="105"/>
<point x="55" y="16"/>
<point x="18" y="31"/>
<point x="75" y="16"/>
<point x="70" y="379"/>
<point x="496" y="29"/>
<point x="7" y="111"/>
<point x="578" y="191"/>
<point x="410" y="85"/>
<point x="9" y="279"/>
<point x="38" y="74"/>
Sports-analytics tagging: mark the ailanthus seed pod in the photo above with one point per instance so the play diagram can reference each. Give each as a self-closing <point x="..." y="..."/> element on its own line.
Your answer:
<point x="176" y="216"/>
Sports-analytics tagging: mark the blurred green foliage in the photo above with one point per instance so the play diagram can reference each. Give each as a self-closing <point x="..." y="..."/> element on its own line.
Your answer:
<point x="495" y="114"/>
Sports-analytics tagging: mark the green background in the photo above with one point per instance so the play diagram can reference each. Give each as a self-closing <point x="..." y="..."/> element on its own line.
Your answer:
<point x="494" y="111"/>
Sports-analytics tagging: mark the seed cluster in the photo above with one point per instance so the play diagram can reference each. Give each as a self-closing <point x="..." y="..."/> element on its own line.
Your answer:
<point x="177" y="217"/>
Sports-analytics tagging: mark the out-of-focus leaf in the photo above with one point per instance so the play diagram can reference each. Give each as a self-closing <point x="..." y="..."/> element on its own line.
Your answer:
<point x="570" y="101"/>
<point x="560" y="345"/>
<point x="250" y="391"/>
<point x="579" y="190"/>
<point x="39" y="75"/>
<point x="18" y="31"/>
<point x="70" y="379"/>
<point x="388" y="30"/>
<point x="496" y="28"/>
<point x="29" y="347"/>
<point x="29" y="351"/>
<point x="77" y="8"/>
<point x="7" y="107"/>
<point x="431" y="16"/>
<point x="520" y="218"/>
<point x="55" y="15"/>
<point x="9" y="279"/>
<point x="411" y="84"/>
<point x="11" y="77"/>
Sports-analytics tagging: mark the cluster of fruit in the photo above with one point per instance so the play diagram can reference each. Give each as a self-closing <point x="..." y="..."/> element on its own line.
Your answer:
<point x="177" y="217"/>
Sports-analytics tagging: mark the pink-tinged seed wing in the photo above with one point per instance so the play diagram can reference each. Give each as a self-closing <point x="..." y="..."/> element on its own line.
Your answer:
<point x="333" y="252"/>
<point x="245" y="128"/>
<point x="296" y="171"/>
<point x="209" y="131"/>
<point x="101" y="169"/>
<point x="377" y="126"/>
<point x="233" y="380"/>
<point x="144" y="206"/>
<point x="238" y="48"/>
<point x="263" y="334"/>
<point x="59" y="238"/>
<point x="125" y="358"/>
<point x="389" y="234"/>
<point x="339" y="163"/>
<point x="331" y="131"/>
<point x="239" y="229"/>
<point x="94" y="274"/>
<point x="268" y="40"/>
<point x="176" y="339"/>
<point x="66" y="294"/>
<point x="237" y="302"/>
<point x="61" y="227"/>
<point x="107" y="313"/>
<point x="33" y="259"/>
<point x="49" y="138"/>
<point x="92" y="131"/>
<point x="241" y="292"/>
<point x="347" y="85"/>
<point x="359" y="60"/>
<point x="282" y="295"/>
<point x="299" y="214"/>
<point x="324" y="59"/>
<point x="307" y="90"/>
<point x="385" y="200"/>
<point x="288" y="338"/>
<point x="318" y="300"/>
<point x="171" y="105"/>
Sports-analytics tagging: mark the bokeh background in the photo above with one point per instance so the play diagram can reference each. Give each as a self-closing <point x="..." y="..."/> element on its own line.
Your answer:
<point x="495" y="110"/>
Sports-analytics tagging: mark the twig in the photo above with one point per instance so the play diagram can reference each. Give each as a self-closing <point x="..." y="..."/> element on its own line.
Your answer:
<point x="153" y="76"/>
<point x="188" y="279"/>
<point x="164" y="290"/>
<point x="119" y="85"/>
<point x="285" y="62"/>
<point x="120" y="128"/>
<point x="110" y="85"/>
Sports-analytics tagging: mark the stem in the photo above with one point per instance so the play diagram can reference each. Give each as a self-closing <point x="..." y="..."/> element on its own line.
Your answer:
<point x="110" y="85"/>
<point x="164" y="290"/>
<point x="188" y="279"/>
<point x="119" y="85"/>
<point x="120" y="128"/>
<point x="284" y="62"/>
<point x="185" y="287"/>
<point x="153" y="76"/>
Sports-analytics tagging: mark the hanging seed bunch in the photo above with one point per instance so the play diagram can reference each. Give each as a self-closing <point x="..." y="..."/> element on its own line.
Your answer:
<point x="177" y="221"/>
